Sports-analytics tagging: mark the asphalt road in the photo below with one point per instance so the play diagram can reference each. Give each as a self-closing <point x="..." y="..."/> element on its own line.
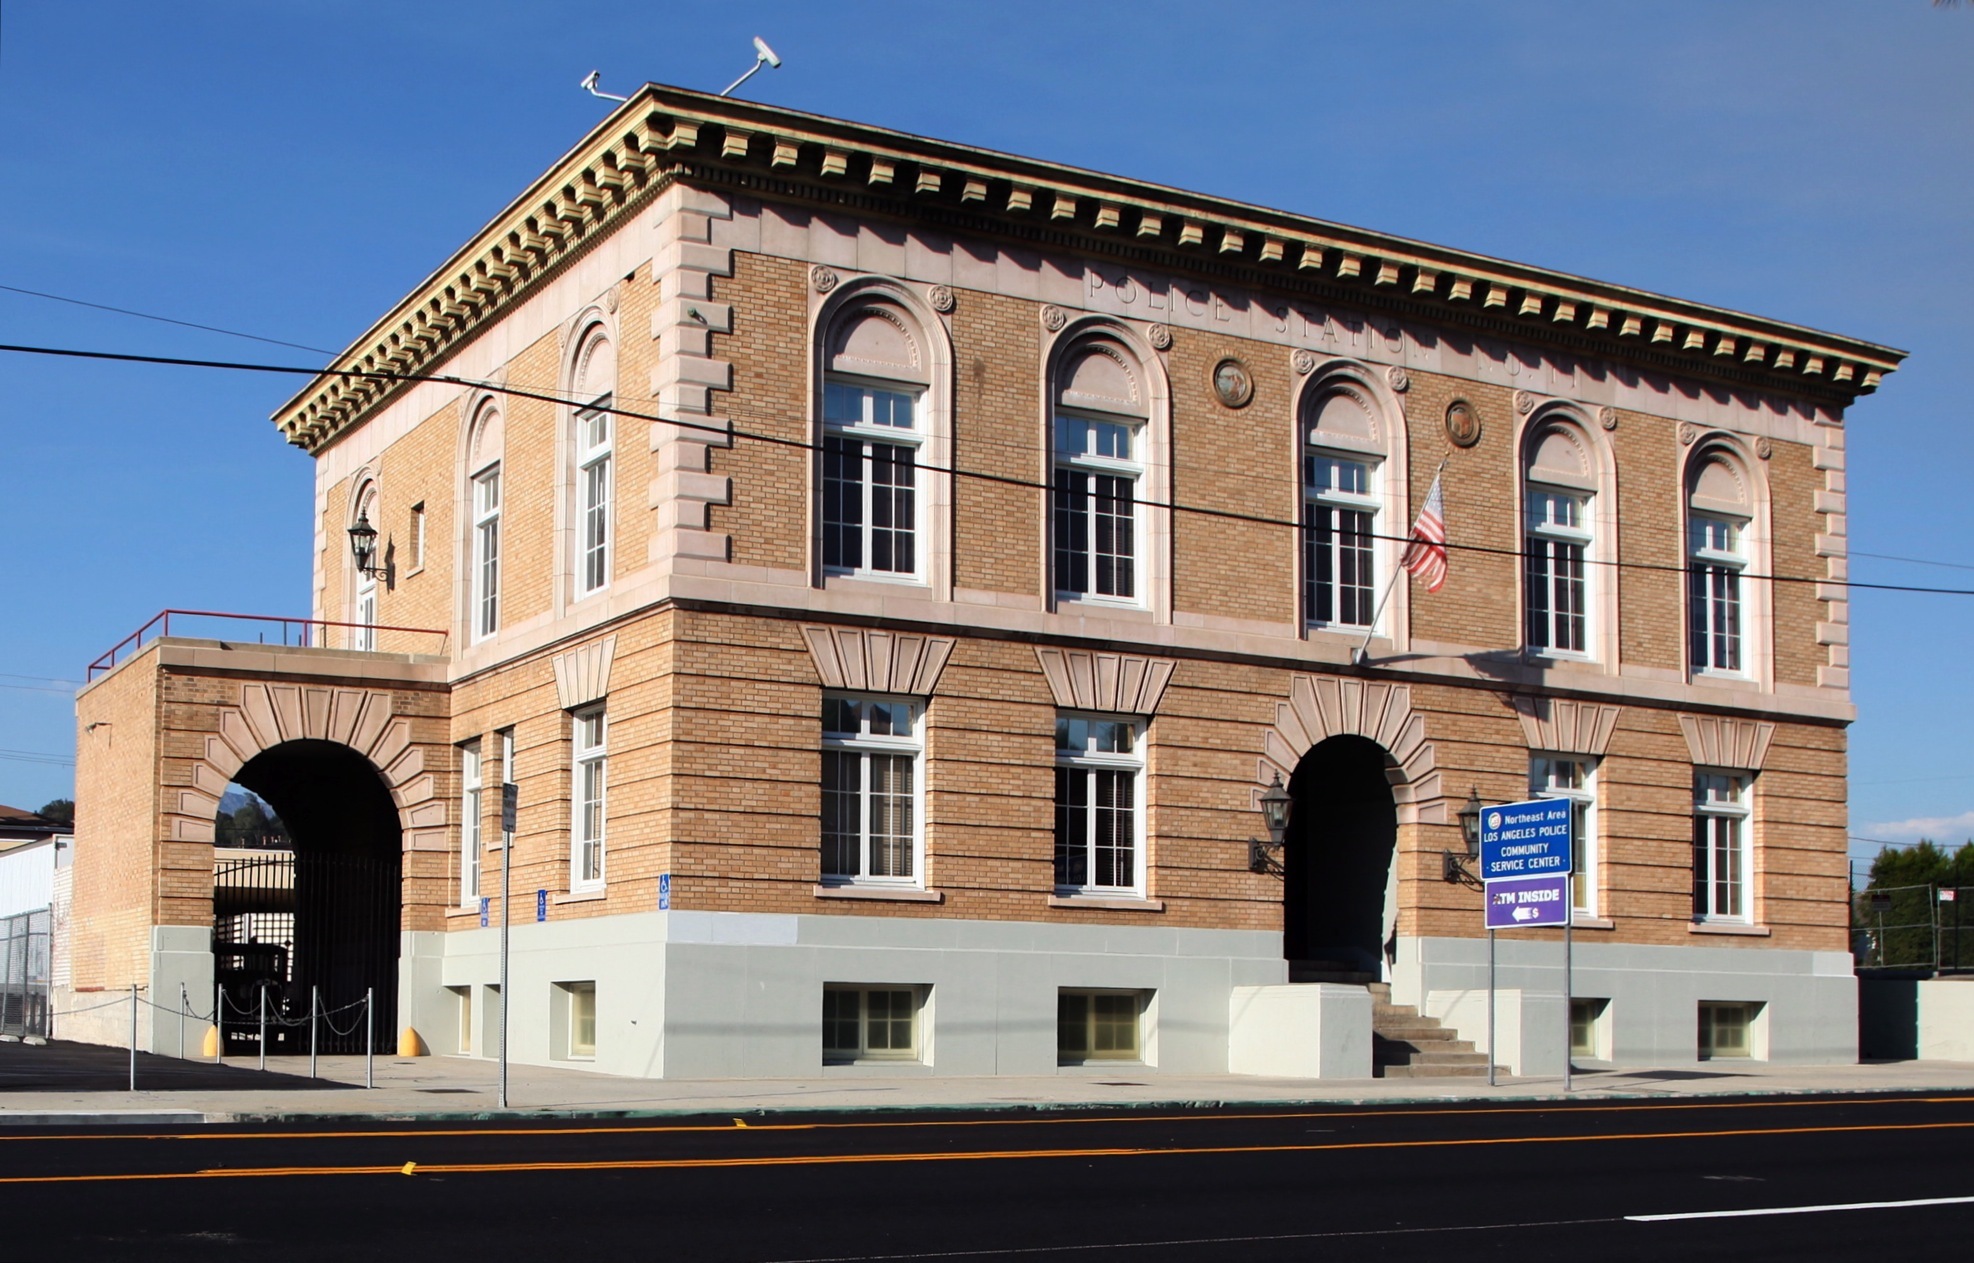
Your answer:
<point x="1762" y="1178"/>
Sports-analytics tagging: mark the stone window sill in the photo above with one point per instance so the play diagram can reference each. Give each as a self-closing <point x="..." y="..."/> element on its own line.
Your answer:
<point x="578" y="896"/>
<point x="1728" y="927"/>
<point x="454" y="914"/>
<point x="1113" y="903"/>
<point x="895" y="894"/>
<point x="1581" y="922"/>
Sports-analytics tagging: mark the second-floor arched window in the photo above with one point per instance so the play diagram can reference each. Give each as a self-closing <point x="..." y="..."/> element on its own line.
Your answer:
<point x="483" y="506"/>
<point x="594" y="388"/>
<point x="1719" y="518"/>
<point x="871" y="515"/>
<point x="1559" y="581"/>
<point x="1099" y="422"/>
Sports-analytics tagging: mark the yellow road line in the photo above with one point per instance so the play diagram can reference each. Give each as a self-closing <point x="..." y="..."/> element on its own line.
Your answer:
<point x="857" y="1159"/>
<point x="1023" y="1121"/>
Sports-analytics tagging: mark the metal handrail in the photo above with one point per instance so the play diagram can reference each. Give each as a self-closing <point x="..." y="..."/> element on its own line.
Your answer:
<point x="162" y="623"/>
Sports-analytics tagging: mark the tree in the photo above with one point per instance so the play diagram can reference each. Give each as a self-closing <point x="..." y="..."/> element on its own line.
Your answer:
<point x="61" y="811"/>
<point x="1899" y="921"/>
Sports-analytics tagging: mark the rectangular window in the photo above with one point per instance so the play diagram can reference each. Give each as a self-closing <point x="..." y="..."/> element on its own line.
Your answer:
<point x="870" y="1023"/>
<point x="593" y="448"/>
<point x="418" y="536"/>
<point x="1713" y="594"/>
<point x="1551" y="776"/>
<point x="1098" y="831"/>
<point x="465" y="997"/>
<point x="869" y="481"/>
<point x="365" y="637"/>
<point x="592" y="757"/>
<point x="1720" y="847"/>
<point x="582" y="1019"/>
<point x="1098" y="1026"/>
<point x="472" y="818"/>
<point x="1587" y="1028"/>
<point x="1095" y="509"/>
<point x="485" y="616"/>
<point x="870" y="761"/>
<point x="1726" y="1029"/>
<point x="1558" y="538"/>
<point x="1339" y="584"/>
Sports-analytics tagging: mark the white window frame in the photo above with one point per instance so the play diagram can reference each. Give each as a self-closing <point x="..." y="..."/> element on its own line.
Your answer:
<point x="483" y="613"/>
<point x="840" y="745"/>
<point x="364" y="635"/>
<point x="1082" y="759"/>
<point x="1087" y="465"/>
<point x="472" y="821"/>
<point x="1327" y="501"/>
<point x="581" y="995"/>
<point x="1573" y="777"/>
<point x="596" y="430"/>
<point x="868" y="431"/>
<point x="1541" y="533"/>
<point x="1705" y="605"/>
<point x="867" y="1020"/>
<point x="417" y="538"/>
<point x="1721" y="826"/>
<point x="589" y="744"/>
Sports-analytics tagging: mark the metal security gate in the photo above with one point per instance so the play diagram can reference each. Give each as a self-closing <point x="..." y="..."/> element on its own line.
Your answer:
<point x="24" y="974"/>
<point x="305" y="930"/>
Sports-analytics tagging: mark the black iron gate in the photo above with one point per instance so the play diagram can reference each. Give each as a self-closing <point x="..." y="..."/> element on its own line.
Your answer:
<point x="305" y="930"/>
<point x="24" y="973"/>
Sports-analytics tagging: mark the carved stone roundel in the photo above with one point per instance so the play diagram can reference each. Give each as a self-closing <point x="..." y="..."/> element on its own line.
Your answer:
<point x="610" y="300"/>
<point x="824" y="279"/>
<point x="1764" y="449"/>
<point x="1304" y="362"/>
<point x="1233" y="385"/>
<point x="1608" y="418"/>
<point x="1160" y="336"/>
<point x="941" y="298"/>
<point x="1687" y="433"/>
<point x="1398" y="379"/>
<point x="1463" y="424"/>
<point x="1054" y="318"/>
<point x="1524" y="402"/>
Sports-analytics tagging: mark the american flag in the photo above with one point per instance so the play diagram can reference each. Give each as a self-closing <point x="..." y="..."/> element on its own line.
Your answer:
<point x="1425" y="556"/>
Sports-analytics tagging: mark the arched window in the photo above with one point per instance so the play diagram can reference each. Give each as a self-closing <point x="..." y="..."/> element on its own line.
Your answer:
<point x="595" y="429"/>
<point x="1719" y="512"/>
<point x="483" y="499"/>
<point x="1100" y="416"/>
<point x="1559" y="489"/>
<point x="1342" y="495"/>
<point x="873" y="426"/>
<point x="363" y="607"/>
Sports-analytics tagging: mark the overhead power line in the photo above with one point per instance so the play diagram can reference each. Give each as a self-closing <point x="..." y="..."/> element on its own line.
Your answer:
<point x="776" y="440"/>
<point x="163" y="320"/>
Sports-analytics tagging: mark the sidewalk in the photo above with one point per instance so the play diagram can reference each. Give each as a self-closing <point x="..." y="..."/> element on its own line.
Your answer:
<point x="79" y="1083"/>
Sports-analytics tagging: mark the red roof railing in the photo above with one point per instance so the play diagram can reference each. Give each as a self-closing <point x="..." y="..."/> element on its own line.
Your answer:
<point x="300" y="633"/>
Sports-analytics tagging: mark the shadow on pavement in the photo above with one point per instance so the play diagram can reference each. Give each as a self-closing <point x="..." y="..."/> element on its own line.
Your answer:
<point x="59" y="1066"/>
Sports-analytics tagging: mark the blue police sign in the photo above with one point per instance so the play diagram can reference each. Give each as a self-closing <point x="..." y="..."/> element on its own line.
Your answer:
<point x="1530" y="839"/>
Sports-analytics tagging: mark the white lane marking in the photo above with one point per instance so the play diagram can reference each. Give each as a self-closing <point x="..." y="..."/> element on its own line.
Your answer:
<point x="1801" y="1210"/>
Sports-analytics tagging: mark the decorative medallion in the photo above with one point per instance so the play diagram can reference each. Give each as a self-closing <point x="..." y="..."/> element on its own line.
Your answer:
<point x="824" y="279"/>
<point x="1398" y="379"/>
<point x="1161" y="337"/>
<point x="1054" y="318"/>
<point x="1463" y="424"/>
<point x="1608" y="418"/>
<point x="941" y="298"/>
<point x="1687" y="433"/>
<point x="1233" y="385"/>
<point x="1764" y="449"/>
<point x="1524" y="402"/>
<point x="610" y="300"/>
<point x="1304" y="362"/>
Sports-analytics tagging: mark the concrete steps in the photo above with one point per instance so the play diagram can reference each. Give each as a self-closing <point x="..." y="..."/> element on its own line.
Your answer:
<point x="1405" y="1044"/>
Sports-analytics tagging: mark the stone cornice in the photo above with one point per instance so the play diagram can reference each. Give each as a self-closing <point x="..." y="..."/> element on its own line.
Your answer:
<point x="662" y="134"/>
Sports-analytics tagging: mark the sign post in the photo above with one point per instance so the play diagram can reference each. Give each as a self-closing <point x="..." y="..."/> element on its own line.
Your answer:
<point x="1526" y="859"/>
<point x="510" y="798"/>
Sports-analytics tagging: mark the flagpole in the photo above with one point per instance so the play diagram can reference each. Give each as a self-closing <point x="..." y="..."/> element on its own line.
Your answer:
<point x="1361" y="655"/>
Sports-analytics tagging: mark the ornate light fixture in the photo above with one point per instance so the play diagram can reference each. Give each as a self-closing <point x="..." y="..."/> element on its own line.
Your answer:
<point x="363" y="544"/>
<point x="1453" y="868"/>
<point x="1265" y="857"/>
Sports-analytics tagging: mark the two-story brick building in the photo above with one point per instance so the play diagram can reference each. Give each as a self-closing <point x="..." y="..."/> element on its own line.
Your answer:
<point x="892" y="572"/>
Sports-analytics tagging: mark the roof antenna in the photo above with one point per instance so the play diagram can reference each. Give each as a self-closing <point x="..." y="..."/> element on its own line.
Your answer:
<point x="763" y="56"/>
<point x="590" y="81"/>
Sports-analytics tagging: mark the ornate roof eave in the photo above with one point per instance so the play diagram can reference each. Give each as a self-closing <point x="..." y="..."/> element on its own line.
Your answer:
<point x="665" y="133"/>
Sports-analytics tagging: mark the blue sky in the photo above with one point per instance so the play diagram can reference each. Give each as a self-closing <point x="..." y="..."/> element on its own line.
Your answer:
<point x="291" y="170"/>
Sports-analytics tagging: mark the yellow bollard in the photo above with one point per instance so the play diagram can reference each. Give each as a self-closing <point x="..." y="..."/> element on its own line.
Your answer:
<point x="409" y="1045"/>
<point x="210" y="1047"/>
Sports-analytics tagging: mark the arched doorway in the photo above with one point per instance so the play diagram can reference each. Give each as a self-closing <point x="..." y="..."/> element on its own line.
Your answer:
<point x="1339" y="861"/>
<point x="339" y="884"/>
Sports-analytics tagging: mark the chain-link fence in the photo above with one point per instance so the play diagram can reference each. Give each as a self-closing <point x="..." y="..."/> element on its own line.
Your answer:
<point x="24" y="961"/>
<point x="1913" y="927"/>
